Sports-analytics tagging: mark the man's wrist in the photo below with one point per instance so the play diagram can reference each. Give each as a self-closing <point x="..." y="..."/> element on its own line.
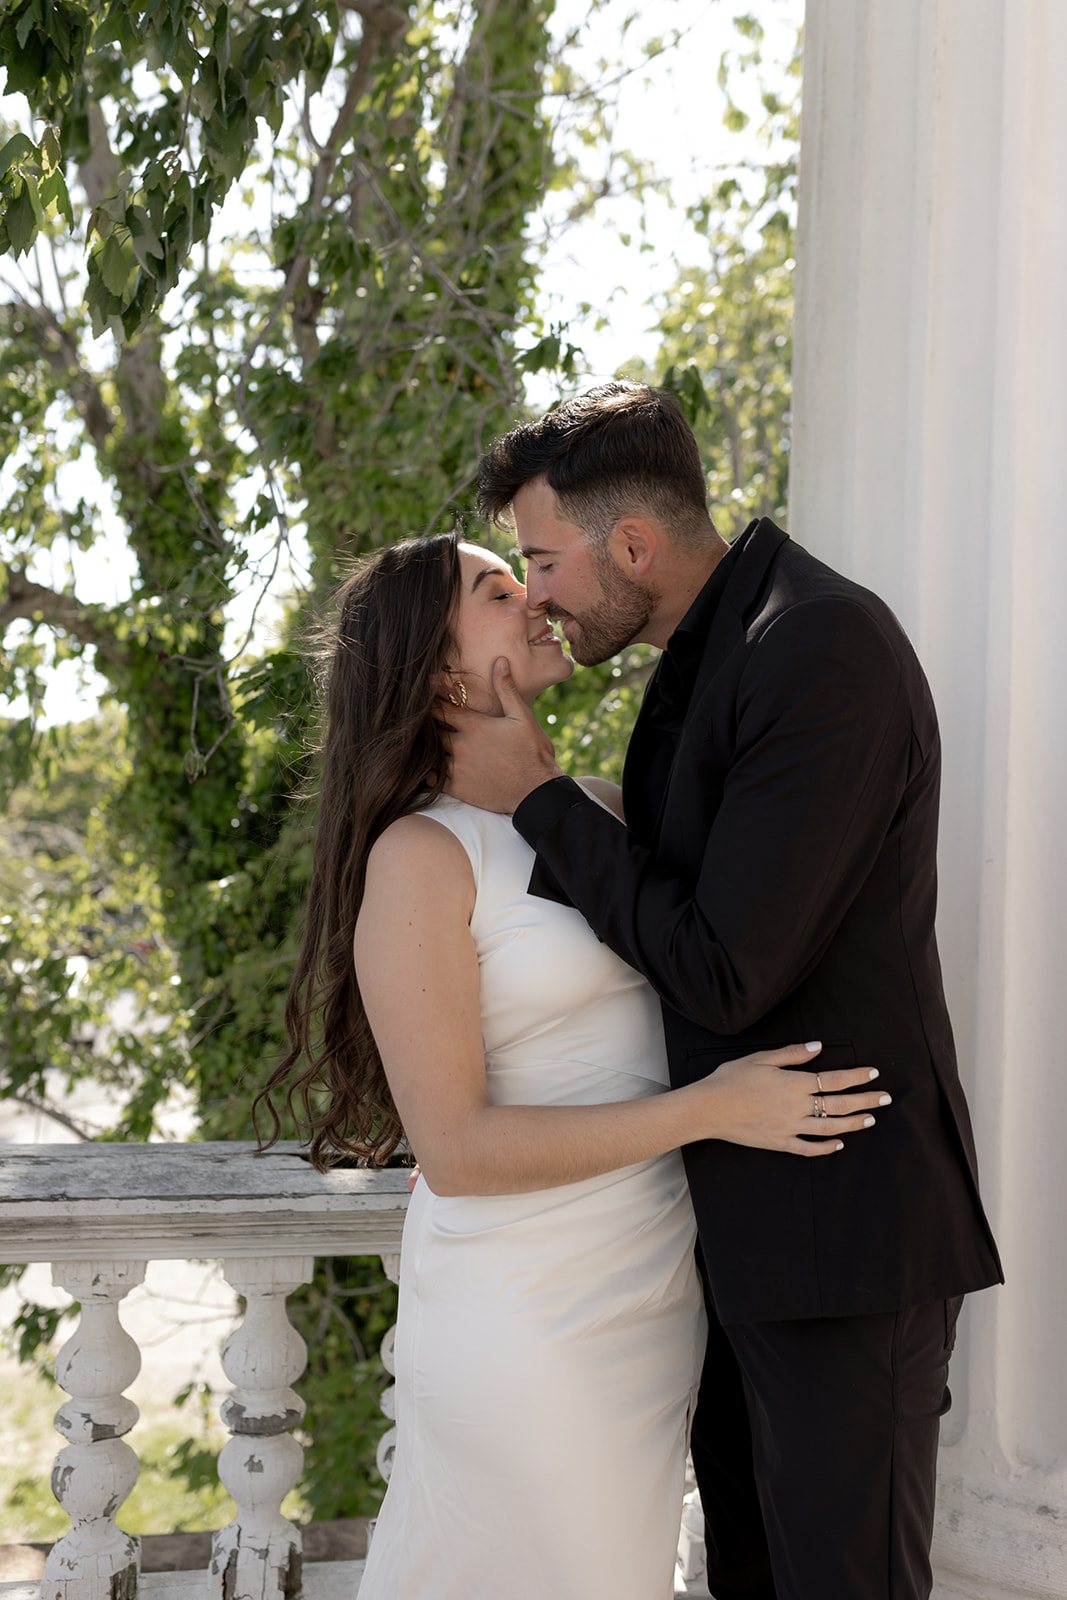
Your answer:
<point x="544" y="806"/>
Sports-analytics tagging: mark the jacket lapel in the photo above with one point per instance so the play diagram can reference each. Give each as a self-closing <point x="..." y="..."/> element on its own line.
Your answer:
<point x="746" y="585"/>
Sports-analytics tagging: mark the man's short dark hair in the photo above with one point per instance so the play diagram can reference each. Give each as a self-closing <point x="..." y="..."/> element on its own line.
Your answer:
<point x="617" y="450"/>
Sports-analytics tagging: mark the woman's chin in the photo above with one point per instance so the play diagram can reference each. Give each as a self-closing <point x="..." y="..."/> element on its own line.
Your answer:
<point x="563" y="671"/>
<point x="543" y="676"/>
<point x="562" y="667"/>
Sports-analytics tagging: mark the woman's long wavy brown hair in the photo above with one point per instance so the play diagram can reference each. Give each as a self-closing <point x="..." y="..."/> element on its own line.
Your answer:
<point x="383" y="756"/>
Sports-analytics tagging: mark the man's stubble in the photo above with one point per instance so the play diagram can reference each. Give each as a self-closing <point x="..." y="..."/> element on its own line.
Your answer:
<point x="615" y="620"/>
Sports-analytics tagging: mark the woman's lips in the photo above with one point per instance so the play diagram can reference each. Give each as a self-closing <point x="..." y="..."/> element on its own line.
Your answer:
<point x="548" y="636"/>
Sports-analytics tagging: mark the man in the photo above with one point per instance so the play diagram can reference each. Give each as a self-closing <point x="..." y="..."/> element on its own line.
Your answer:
<point x="775" y="882"/>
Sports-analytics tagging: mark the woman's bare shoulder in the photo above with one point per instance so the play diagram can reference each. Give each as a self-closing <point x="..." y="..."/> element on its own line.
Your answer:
<point x="417" y="844"/>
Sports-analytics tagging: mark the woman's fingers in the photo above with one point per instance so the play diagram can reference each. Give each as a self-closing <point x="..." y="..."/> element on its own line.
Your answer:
<point x="814" y="1147"/>
<point x="841" y="1125"/>
<point x="805" y="1112"/>
<point x="844" y="1077"/>
<point x="789" y="1055"/>
<point x="844" y="1105"/>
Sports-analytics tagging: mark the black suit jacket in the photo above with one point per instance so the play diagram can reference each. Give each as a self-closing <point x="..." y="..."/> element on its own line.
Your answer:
<point x="779" y="884"/>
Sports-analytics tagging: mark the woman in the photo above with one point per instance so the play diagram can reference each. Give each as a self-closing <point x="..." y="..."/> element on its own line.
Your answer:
<point x="550" y="1328"/>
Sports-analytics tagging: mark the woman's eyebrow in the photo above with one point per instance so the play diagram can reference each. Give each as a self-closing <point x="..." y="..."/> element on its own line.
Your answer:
<point x="489" y="572"/>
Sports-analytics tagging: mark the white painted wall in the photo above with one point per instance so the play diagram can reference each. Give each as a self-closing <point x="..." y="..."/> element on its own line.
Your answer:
<point x="930" y="462"/>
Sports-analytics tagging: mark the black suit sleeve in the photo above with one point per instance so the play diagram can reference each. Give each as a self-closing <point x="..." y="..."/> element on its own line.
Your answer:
<point x="823" y="748"/>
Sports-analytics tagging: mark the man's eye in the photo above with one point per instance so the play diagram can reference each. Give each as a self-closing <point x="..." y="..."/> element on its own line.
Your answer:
<point x="545" y="566"/>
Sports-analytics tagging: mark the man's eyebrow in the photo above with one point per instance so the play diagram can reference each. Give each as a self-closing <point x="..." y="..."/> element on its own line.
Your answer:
<point x="528" y="550"/>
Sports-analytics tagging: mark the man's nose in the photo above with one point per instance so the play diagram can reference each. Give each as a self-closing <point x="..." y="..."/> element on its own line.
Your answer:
<point x="537" y="596"/>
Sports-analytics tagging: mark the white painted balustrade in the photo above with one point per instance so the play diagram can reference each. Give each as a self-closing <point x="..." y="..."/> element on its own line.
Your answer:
<point x="98" y="1213"/>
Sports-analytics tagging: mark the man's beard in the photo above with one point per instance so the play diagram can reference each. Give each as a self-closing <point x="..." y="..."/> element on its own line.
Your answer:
<point x="614" y="621"/>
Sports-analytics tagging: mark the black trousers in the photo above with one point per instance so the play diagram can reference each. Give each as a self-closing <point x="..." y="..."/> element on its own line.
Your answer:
<point x="815" y="1451"/>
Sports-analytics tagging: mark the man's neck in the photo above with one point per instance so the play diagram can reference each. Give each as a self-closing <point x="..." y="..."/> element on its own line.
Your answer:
<point x="679" y="587"/>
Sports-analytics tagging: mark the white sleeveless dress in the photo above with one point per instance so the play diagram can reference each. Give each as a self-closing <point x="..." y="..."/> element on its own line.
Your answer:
<point x="548" y="1344"/>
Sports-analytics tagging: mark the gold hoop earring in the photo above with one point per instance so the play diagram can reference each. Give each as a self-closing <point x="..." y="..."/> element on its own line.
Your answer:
<point x="457" y="695"/>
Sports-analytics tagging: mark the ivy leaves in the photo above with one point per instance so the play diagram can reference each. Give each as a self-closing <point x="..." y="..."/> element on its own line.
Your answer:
<point x="42" y="48"/>
<point x="219" y="80"/>
<point x="32" y="187"/>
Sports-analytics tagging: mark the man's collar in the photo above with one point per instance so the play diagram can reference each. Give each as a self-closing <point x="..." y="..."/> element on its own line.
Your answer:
<point x="680" y="664"/>
<point x="693" y="628"/>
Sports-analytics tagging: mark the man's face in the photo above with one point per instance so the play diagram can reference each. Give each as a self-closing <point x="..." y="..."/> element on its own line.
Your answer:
<point x="576" y="583"/>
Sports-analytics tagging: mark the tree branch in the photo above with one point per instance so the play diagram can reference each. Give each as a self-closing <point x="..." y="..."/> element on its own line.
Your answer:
<point x="99" y="172"/>
<point x="60" y="350"/>
<point x="43" y="1110"/>
<point x="382" y="23"/>
<point x="31" y="601"/>
<point x="140" y="379"/>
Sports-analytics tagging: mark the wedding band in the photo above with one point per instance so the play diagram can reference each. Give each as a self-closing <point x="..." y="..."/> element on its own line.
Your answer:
<point x="820" y="1106"/>
<point x="818" y="1083"/>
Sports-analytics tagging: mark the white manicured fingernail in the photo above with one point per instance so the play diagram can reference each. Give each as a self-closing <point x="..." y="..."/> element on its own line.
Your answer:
<point x="814" y="1044"/>
<point x="885" y="1099"/>
<point x="873" y="1073"/>
<point x="868" y="1122"/>
<point x="839" y="1145"/>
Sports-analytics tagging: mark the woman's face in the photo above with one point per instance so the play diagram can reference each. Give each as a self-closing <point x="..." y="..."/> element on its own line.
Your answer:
<point x="492" y="619"/>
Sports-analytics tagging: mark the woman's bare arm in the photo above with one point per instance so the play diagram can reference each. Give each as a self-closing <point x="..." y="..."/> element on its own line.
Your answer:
<point x="609" y="794"/>
<point x="418" y="975"/>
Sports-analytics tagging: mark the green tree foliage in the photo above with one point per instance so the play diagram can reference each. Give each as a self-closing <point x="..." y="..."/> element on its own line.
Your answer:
<point x="338" y="361"/>
<point x="726" y="332"/>
<point x="81" y="929"/>
<point x="727" y="325"/>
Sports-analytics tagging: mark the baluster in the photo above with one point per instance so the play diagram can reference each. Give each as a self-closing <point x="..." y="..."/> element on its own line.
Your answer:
<point x="387" y="1399"/>
<point x="692" y="1555"/>
<point x="96" y="1470"/>
<point x="258" y="1555"/>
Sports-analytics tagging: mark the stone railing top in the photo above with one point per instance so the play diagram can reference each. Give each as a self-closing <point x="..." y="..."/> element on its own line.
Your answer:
<point x="166" y="1201"/>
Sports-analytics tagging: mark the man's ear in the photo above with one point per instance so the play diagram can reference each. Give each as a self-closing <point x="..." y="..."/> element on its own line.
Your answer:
<point x="633" y="543"/>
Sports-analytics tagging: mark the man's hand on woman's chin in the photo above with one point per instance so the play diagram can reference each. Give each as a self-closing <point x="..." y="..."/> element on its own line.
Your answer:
<point x="498" y="761"/>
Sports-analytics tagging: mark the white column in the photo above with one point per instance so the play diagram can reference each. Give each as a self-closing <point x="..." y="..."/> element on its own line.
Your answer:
<point x="930" y="462"/>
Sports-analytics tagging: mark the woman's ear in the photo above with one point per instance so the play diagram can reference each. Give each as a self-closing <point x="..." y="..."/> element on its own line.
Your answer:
<point x="450" y="687"/>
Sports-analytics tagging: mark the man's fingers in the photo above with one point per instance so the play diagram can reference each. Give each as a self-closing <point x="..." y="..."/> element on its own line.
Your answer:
<point x="504" y="684"/>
